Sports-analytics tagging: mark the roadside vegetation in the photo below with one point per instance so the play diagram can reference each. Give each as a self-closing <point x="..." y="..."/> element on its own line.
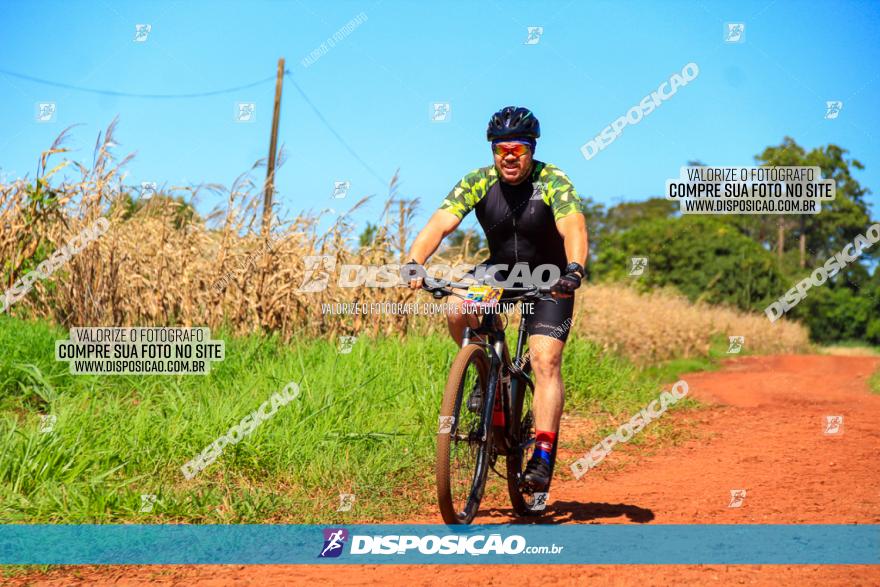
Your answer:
<point x="874" y="382"/>
<point x="161" y="263"/>
<point x="364" y="423"/>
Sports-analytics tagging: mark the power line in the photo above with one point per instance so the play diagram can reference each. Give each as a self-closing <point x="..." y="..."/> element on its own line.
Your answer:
<point x="317" y="112"/>
<point x="332" y="130"/>
<point x="133" y="95"/>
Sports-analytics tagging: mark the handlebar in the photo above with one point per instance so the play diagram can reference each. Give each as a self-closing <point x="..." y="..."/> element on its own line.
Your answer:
<point x="441" y="289"/>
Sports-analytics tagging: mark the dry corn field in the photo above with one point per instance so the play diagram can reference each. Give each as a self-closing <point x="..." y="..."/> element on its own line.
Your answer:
<point x="662" y="325"/>
<point x="159" y="264"/>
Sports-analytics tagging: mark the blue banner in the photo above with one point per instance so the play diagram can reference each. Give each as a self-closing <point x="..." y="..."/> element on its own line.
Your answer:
<point x="439" y="544"/>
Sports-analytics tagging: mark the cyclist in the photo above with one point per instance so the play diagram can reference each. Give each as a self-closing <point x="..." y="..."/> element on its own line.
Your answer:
<point x="531" y="214"/>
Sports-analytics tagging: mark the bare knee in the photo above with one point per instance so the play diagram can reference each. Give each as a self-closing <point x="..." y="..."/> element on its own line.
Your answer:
<point x="546" y="362"/>
<point x="457" y="320"/>
<point x="454" y="316"/>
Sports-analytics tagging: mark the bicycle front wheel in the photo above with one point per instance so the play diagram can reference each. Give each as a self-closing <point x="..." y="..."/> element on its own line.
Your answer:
<point x="462" y="455"/>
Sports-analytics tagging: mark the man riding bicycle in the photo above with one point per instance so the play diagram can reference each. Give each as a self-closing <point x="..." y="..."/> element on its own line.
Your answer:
<point x="531" y="215"/>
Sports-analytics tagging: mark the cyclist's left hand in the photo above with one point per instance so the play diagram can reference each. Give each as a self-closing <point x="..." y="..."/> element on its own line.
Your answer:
<point x="565" y="285"/>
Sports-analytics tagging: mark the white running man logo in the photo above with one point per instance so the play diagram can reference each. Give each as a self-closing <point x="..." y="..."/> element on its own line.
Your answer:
<point x="334" y="543"/>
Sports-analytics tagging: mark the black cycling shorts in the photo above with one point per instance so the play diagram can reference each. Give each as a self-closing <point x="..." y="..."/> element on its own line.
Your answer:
<point x="550" y="319"/>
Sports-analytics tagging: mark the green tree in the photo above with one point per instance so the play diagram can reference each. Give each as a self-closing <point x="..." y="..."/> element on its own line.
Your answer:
<point x="368" y="235"/>
<point x="704" y="258"/>
<point x="182" y="212"/>
<point x="821" y="235"/>
<point x="625" y="215"/>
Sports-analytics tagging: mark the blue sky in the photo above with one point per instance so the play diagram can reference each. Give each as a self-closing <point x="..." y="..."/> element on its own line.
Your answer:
<point x="593" y="62"/>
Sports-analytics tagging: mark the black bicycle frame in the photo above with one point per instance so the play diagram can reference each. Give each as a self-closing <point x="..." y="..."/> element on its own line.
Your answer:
<point x="495" y="345"/>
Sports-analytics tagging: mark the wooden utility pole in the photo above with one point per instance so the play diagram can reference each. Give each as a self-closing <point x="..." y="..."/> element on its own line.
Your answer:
<point x="780" y="238"/>
<point x="802" y="241"/>
<point x="273" y="144"/>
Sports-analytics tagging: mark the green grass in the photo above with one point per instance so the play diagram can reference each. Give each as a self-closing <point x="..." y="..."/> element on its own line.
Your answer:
<point x="874" y="382"/>
<point x="671" y="371"/>
<point x="855" y="344"/>
<point x="364" y="423"/>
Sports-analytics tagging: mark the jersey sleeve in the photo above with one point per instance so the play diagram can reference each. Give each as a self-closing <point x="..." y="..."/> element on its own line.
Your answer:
<point x="464" y="196"/>
<point x="560" y="194"/>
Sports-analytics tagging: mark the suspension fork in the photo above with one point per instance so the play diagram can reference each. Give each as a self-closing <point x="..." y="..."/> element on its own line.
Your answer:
<point x="493" y="341"/>
<point x="495" y="366"/>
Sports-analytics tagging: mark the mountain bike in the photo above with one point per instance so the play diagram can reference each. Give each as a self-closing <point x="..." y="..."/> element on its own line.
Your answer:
<point x="473" y="434"/>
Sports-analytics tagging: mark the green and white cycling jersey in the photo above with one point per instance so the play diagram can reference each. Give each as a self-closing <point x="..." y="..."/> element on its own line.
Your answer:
<point x="519" y="220"/>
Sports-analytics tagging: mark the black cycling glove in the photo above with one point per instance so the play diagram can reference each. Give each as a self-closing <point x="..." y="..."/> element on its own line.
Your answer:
<point x="570" y="280"/>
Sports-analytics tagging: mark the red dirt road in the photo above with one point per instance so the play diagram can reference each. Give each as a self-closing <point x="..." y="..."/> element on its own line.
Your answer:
<point x="763" y="432"/>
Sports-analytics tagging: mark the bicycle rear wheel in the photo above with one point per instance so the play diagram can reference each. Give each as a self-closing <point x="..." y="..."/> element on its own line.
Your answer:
<point x="462" y="456"/>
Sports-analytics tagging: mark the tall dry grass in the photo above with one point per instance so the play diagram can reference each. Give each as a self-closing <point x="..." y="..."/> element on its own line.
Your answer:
<point x="157" y="266"/>
<point x="663" y="325"/>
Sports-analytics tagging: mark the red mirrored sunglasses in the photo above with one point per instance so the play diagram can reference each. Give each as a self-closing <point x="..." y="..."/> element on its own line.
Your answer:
<point x="517" y="150"/>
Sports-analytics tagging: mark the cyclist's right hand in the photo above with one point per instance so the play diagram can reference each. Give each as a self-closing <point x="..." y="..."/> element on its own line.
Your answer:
<point x="413" y="274"/>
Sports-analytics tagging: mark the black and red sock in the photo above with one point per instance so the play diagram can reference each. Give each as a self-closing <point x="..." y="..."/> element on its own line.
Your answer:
<point x="544" y="442"/>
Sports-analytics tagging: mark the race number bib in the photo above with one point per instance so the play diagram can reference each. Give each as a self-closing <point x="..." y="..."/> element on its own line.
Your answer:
<point x="483" y="294"/>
